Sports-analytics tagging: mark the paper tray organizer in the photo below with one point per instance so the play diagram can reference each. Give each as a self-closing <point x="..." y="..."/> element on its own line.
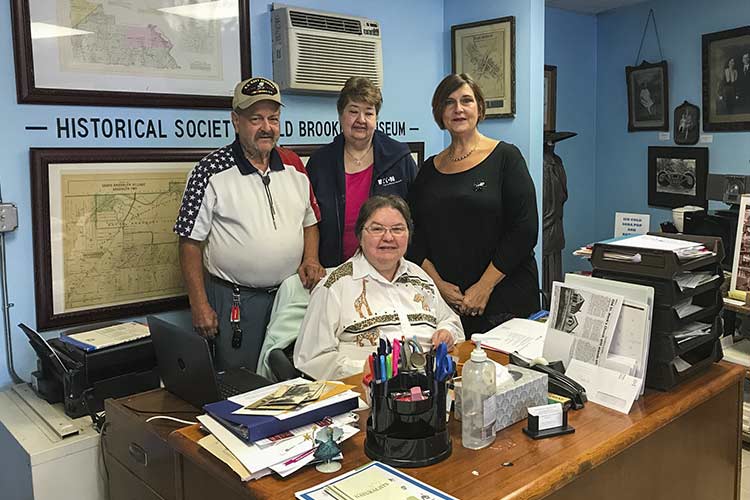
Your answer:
<point x="662" y="264"/>
<point x="404" y="433"/>
<point x="658" y="269"/>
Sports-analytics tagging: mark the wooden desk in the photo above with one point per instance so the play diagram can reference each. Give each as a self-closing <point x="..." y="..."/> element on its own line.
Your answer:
<point x="683" y="444"/>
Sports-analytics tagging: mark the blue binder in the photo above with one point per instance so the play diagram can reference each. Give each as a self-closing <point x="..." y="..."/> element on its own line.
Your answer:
<point x="251" y="428"/>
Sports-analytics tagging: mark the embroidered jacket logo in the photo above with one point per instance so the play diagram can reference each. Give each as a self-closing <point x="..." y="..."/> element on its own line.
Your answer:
<point x="388" y="181"/>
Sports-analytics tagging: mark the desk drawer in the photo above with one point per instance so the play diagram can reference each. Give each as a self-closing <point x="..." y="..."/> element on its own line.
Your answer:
<point x="140" y="448"/>
<point x="124" y="485"/>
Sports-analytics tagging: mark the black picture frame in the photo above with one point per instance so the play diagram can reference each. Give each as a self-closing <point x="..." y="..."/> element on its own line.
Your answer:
<point x="677" y="176"/>
<point x="550" y="98"/>
<point x="54" y="172"/>
<point x="687" y="124"/>
<point x="648" y="96"/>
<point x="486" y="50"/>
<point x="726" y="85"/>
<point x="30" y="90"/>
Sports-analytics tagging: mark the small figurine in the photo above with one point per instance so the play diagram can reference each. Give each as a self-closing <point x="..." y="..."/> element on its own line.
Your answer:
<point x="328" y="449"/>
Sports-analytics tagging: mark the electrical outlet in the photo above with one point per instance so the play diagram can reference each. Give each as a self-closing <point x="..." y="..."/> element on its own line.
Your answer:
<point x="8" y="217"/>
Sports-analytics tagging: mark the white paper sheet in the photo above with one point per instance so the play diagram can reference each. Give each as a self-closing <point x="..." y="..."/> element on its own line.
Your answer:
<point x="604" y="386"/>
<point x="524" y="336"/>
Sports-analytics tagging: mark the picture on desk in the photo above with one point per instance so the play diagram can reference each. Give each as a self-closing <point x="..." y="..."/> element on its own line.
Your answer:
<point x="677" y="176"/>
<point x="741" y="264"/>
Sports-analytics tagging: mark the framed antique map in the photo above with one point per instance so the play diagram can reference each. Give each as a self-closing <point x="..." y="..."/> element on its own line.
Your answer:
<point x="486" y="50"/>
<point x="157" y="53"/>
<point x="103" y="241"/>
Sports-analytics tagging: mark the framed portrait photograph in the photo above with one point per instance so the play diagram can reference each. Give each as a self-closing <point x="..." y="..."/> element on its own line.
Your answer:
<point x="550" y="97"/>
<point x="726" y="80"/>
<point x="102" y="226"/>
<point x="741" y="263"/>
<point x="648" y="96"/>
<point x="677" y="176"/>
<point x="164" y="53"/>
<point x="486" y="50"/>
<point x="687" y="124"/>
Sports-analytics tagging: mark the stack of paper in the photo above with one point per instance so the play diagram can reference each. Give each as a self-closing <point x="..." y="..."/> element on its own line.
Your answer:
<point x="685" y="250"/>
<point x="107" y="337"/>
<point x="522" y="336"/>
<point x="255" y="443"/>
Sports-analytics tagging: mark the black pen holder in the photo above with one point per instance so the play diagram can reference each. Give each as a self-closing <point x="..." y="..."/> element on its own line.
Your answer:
<point x="408" y="433"/>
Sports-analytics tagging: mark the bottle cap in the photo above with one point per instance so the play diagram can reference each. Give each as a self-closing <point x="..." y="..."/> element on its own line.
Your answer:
<point x="478" y="353"/>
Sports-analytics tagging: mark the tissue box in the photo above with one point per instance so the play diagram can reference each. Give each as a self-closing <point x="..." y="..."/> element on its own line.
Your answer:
<point x="529" y="388"/>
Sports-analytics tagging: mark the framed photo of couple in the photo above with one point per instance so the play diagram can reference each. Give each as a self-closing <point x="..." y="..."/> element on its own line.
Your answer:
<point x="726" y="80"/>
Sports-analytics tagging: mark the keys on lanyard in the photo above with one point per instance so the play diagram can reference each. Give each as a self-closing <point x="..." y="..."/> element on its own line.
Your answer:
<point x="234" y="318"/>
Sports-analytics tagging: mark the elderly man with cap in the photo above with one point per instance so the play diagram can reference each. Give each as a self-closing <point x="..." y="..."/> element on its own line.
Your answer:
<point x="250" y="218"/>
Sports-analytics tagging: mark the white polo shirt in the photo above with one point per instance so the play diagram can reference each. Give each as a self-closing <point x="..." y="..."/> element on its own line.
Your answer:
<point x="226" y="205"/>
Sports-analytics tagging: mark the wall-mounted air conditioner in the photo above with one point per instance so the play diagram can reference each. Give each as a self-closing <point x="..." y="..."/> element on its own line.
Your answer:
<point x="316" y="51"/>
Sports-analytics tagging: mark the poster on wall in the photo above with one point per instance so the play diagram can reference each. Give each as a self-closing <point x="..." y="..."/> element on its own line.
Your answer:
<point x="726" y="80"/>
<point x="648" y="96"/>
<point x="486" y="50"/>
<point x="136" y="53"/>
<point x="104" y="247"/>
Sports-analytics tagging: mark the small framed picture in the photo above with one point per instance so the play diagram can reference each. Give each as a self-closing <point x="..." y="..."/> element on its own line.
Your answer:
<point x="687" y="124"/>
<point x="677" y="176"/>
<point x="550" y="97"/>
<point x="486" y="50"/>
<point x="726" y="80"/>
<point x="648" y="96"/>
<point x="741" y="263"/>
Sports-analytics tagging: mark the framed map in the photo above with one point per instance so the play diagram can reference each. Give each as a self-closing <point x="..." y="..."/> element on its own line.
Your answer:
<point x="103" y="241"/>
<point x="149" y="53"/>
<point x="486" y="50"/>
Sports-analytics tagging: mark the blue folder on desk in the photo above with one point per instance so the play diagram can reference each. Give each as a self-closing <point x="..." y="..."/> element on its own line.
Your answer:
<point x="251" y="428"/>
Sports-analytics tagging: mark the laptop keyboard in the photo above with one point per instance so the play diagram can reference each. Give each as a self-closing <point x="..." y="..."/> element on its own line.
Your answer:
<point x="227" y="390"/>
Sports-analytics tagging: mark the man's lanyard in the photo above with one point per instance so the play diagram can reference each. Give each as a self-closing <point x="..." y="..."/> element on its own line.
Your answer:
<point x="234" y="318"/>
<point x="266" y="181"/>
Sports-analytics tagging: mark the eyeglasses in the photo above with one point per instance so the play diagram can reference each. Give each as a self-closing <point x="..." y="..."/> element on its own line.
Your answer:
<point x="378" y="230"/>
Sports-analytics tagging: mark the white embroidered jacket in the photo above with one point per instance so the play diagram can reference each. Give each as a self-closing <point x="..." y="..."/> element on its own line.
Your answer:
<point x="355" y="306"/>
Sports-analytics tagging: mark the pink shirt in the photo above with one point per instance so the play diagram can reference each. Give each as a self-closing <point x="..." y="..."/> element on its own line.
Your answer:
<point x="357" y="191"/>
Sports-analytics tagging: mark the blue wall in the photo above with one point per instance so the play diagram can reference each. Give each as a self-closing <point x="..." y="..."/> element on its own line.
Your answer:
<point x="621" y="157"/>
<point x="413" y="57"/>
<point x="526" y="129"/>
<point x="570" y="44"/>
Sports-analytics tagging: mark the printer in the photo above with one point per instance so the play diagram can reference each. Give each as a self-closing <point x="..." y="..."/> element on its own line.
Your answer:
<point x="82" y="380"/>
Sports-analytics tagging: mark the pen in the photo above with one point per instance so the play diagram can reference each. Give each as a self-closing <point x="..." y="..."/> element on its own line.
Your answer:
<point x="382" y="368"/>
<point x="396" y="354"/>
<point x="389" y="366"/>
<point x="376" y="368"/>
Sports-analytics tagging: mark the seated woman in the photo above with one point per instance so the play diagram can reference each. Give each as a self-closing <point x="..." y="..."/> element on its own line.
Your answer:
<point x="375" y="294"/>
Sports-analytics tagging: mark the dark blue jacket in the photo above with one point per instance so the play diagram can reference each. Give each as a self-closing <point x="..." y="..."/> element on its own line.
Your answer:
<point x="393" y="172"/>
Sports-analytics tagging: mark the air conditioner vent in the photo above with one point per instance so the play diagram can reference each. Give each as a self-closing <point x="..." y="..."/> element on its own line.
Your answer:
<point x="316" y="52"/>
<point x="325" y="23"/>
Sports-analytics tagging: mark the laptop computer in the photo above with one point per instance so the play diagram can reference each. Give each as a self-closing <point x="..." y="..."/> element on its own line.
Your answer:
<point x="187" y="369"/>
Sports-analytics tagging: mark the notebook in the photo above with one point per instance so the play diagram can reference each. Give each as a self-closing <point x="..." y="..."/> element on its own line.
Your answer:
<point x="187" y="369"/>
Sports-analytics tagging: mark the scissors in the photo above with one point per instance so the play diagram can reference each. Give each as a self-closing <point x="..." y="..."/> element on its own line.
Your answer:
<point x="443" y="363"/>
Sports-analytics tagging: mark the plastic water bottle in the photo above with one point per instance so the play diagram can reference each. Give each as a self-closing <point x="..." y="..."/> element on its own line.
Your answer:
<point x="478" y="399"/>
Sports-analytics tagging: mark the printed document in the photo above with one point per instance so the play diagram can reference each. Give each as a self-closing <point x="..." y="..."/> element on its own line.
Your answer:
<point x="107" y="337"/>
<point x="524" y="336"/>
<point x="581" y="325"/>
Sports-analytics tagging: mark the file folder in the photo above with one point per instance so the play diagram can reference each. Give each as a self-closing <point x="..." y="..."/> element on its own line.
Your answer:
<point x="251" y="428"/>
